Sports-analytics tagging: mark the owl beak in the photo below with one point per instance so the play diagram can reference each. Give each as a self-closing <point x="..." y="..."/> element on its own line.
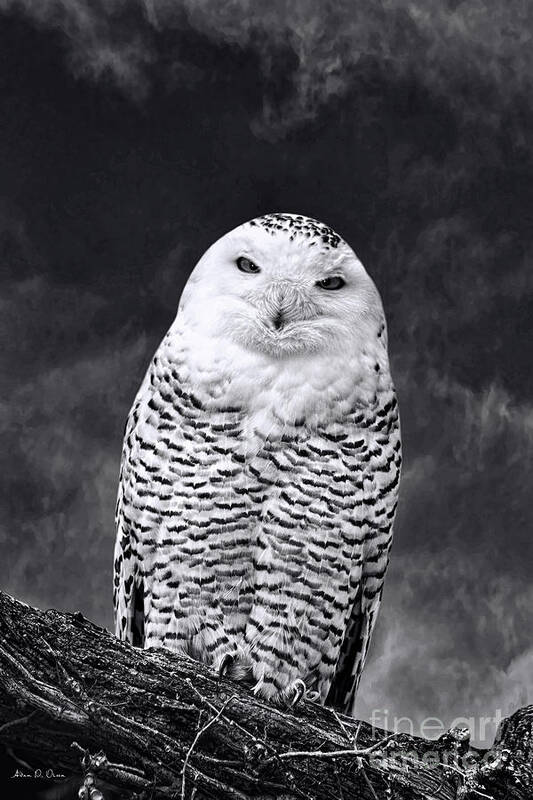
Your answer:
<point x="278" y="321"/>
<point x="280" y="305"/>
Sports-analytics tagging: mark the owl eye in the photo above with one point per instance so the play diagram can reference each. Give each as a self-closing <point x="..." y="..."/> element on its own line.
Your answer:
<point x="335" y="282"/>
<point x="245" y="265"/>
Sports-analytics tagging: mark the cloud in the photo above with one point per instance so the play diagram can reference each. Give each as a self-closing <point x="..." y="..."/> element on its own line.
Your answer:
<point x="101" y="41"/>
<point x="459" y="269"/>
<point x="62" y="429"/>
<point x="63" y="434"/>
<point x="468" y="58"/>
<point x="18" y="254"/>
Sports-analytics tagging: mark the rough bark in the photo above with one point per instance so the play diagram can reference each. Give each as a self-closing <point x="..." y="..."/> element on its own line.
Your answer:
<point x="77" y="700"/>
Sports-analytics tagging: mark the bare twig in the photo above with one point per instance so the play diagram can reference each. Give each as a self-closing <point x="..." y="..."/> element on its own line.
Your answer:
<point x="337" y="753"/>
<point x="369" y="783"/>
<point x="200" y="733"/>
<point x="7" y="725"/>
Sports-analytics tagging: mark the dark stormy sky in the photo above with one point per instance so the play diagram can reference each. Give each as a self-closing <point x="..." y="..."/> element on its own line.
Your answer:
<point x="133" y="134"/>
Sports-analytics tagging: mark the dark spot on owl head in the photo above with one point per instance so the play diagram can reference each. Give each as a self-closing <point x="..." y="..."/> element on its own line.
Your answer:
<point x="310" y="229"/>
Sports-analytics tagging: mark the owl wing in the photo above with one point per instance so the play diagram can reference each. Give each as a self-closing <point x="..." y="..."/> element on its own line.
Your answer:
<point x="356" y="642"/>
<point x="128" y="594"/>
<point x="379" y="500"/>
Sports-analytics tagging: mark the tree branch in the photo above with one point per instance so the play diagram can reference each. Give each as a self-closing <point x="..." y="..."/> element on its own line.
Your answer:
<point x="150" y="722"/>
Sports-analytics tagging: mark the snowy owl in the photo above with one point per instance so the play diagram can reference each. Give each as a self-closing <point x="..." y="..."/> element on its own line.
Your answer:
<point x="261" y="466"/>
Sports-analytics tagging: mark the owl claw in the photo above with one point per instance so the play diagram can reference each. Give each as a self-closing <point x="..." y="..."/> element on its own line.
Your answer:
<point x="295" y="692"/>
<point x="225" y="662"/>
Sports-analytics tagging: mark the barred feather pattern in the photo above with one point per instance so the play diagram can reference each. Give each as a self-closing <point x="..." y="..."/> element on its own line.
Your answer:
<point x="267" y="541"/>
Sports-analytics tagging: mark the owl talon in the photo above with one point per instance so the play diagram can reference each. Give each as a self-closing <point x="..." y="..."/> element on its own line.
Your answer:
<point x="225" y="663"/>
<point x="295" y="692"/>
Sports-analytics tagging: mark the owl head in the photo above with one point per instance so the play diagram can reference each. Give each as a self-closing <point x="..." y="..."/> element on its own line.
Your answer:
<point x="283" y="285"/>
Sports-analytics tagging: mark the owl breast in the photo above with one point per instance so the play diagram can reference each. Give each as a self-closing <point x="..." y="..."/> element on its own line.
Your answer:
<point x="253" y="529"/>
